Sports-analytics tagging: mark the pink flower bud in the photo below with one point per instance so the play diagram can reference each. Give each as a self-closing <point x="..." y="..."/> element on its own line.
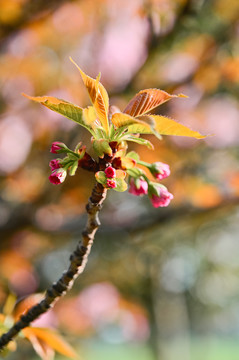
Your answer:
<point x="57" y="146"/>
<point x="57" y="176"/>
<point x="160" y="170"/>
<point x="162" y="199"/>
<point x="110" y="172"/>
<point x="54" y="164"/>
<point x="111" y="183"/>
<point x="139" y="188"/>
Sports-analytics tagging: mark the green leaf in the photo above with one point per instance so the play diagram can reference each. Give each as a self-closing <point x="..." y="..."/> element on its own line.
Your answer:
<point x="65" y="108"/>
<point x="123" y="121"/>
<point x="149" y="123"/>
<point x="162" y="125"/>
<point x="139" y="128"/>
<point x="129" y="124"/>
<point x="102" y="147"/>
<point x="100" y="133"/>
<point x="90" y="119"/>
<point x="165" y="126"/>
<point x="121" y="185"/>
<point x="101" y="177"/>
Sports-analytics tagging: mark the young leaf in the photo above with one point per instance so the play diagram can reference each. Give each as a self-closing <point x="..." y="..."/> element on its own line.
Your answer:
<point x="133" y="125"/>
<point x="166" y="126"/>
<point x="89" y="117"/>
<point x="148" y="119"/>
<point x="99" y="97"/>
<point x="127" y="163"/>
<point x="122" y="148"/>
<point x="120" y="174"/>
<point x="65" y="108"/>
<point x="101" y="177"/>
<point x="133" y="155"/>
<point x="122" y="120"/>
<point x="51" y="338"/>
<point x="121" y="185"/>
<point x="102" y="147"/>
<point x="147" y="100"/>
<point x="139" y="127"/>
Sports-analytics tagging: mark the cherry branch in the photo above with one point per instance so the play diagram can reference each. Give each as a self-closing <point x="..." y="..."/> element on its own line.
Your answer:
<point x="78" y="261"/>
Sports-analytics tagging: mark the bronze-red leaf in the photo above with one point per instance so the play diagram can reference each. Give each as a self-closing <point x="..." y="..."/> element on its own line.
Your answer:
<point x="147" y="100"/>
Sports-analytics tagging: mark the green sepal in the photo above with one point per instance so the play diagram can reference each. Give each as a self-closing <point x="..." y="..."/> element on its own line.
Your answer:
<point x="121" y="185"/>
<point x="66" y="161"/>
<point x="153" y="188"/>
<point x="73" y="168"/>
<point x="73" y="156"/>
<point x="137" y="182"/>
<point x="102" y="147"/>
<point x="78" y="146"/>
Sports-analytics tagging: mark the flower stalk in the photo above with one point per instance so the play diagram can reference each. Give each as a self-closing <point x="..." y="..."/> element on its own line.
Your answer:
<point x="78" y="260"/>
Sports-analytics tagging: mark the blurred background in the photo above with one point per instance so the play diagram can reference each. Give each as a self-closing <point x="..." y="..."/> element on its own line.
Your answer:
<point x="160" y="283"/>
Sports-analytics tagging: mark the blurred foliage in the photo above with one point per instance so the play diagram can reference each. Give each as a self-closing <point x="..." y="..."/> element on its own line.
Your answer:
<point x="166" y="280"/>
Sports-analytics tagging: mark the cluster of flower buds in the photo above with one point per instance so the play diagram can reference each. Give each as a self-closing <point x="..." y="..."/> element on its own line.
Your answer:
<point x="110" y="173"/>
<point x="71" y="161"/>
<point x="141" y="185"/>
<point x="112" y="169"/>
<point x="112" y="178"/>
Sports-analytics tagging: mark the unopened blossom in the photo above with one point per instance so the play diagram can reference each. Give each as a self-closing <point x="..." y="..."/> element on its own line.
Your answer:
<point x="111" y="183"/>
<point x="160" y="170"/>
<point x="54" y="164"/>
<point x="57" y="146"/>
<point x="110" y="172"/>
<point x="162" y="199"/>
<point x="58" y="176"/>
<point x="138" y="188"/>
